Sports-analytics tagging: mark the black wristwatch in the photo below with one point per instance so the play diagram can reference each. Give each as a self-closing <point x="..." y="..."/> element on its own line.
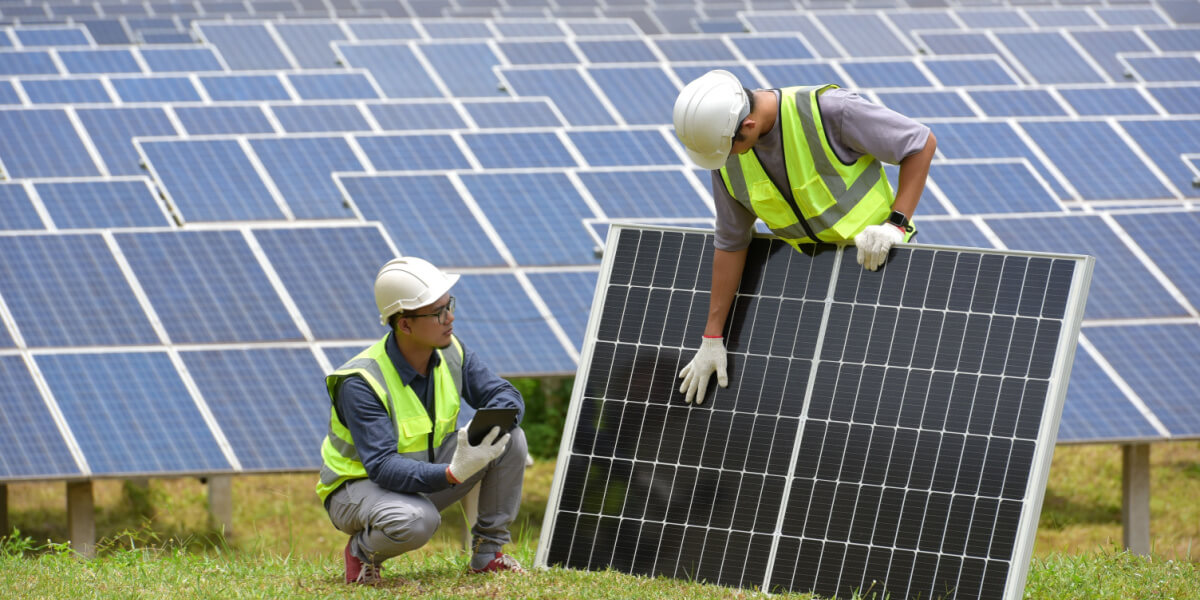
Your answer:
<point x="898" y="219"/>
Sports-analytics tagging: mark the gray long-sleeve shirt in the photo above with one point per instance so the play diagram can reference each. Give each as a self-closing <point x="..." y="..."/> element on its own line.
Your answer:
<point x="374" y="433"/>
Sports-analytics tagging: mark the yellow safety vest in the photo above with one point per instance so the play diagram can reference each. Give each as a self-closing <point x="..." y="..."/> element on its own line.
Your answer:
<point x="416" y="436"/>
<point x="834" y="201"/>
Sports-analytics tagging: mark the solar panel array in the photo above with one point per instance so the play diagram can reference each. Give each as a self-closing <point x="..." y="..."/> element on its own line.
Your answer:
<point x="227" y="177"/>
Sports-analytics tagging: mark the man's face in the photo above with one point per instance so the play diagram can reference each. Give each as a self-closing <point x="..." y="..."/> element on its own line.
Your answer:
<point x="433" y="324"/>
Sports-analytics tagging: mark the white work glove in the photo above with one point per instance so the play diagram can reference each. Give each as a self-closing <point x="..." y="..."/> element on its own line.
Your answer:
<point x="710" y="357"/>
<point x="875" y="242"/>
<point x="468" y="459"/>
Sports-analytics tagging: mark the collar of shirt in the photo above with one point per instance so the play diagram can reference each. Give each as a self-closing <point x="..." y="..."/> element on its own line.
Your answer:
<point x="406" y="371"/>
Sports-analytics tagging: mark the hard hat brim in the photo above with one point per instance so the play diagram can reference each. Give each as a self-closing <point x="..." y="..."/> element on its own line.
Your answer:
<point x="711" y="162"/>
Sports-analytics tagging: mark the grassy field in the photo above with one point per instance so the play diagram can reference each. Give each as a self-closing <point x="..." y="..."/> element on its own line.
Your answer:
<point x="157" y="540"/>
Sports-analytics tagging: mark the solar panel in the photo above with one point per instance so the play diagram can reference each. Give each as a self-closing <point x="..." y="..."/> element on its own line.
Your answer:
<point x="207" y="287"/>
<point x="456" y="29"/>
<point x="49" y="36"/>
<point x="623" y="147"/>
<point x="616" y="51"/>
<point x="886" y="74"/>
<point x="1180" y="100"/>
<point x="155" y="89"/>
<point x="320" y="118"/>
<point x="332" y="86"/>
<point x="797" y="73"/>
<point x="989" y="140"/>
<point x="542" y="52"/>
<point x="1163" y="237"/>
<point x="958" y="43"/>
<point x="646" y="194"/>
<point x="27" y="62"/>
<point x="807" y="461"/>
<point x="1128" y="15"/>
<point x="65" y="91"/>
<point x="864" y="34"/>
<point x="793" y="24"/>
<point x="288" y="416"/>
<point x="513" y="340"/>
<point x="244" y="87"/>
<point x="1082" y="149"/>
<point x="101" y="204"/>
<point x="517" y="150"/>
<point x="51" y="282"/>
<point x="976" y="188"/>
<point x="1017" y="103"/>
<point x="17" y="212"/>
<point x="245" y="46"/>
<point x="99" y="392"/>
<point x="517" y="113"/>
<point x="30" y="442"/>
<point x="956" y="232"/>
<point x="188" y="60"/>
<point x="966" y="71"/>
<point x="1063" y="17"/>
<point x="1096" y="410"/>
<point x="465" y="68"/>
<point x="569" y="295"/>
<point x="1107" y="101"/>
<point x="1165" y="68"/>
<point x="566" y="88"/>
<point x="219" y="120"/>
<point x="919" y="105"/>
<point x="771" y="47"/>
<point x="338" y="304"/>
<point x="585" y="28"/>
<point x="529" y="29"/>
<point x="310" y="43"/>
<point x="638" y="93"/>
<point x="395" y="67"/>
<point x="1104" y="46"/>
<point x="113" y="129"/>
<point x="908" y="21"/>
<point x="1175" y="40"/>
<point x="210" y="180"/>
<point x="416" y="115"/>
<point x="59" y="151"/>
<point x="390" y="30"/>
<point x="1160" y="372"/>
<point x="413" y="152"/>
<point x="694" y="49"/>
<point x="8" y="94"/>
<point x="301" y="169"/>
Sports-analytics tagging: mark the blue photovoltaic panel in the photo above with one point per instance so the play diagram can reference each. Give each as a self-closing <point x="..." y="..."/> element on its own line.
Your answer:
<point x="676" y="19"/>
<point x="1095" y="408"/>
<point x="167" y="60"/>
<point x="517" y="113"/>
<point x="542" y="52"/>
<point x="219" y="120"/>
<point x="908" y="21"/>
<point x="1163" y="236"/>
<point x="1075" y="17"/>
<point x="984" y="19"/>
<point x="1083" y="151"/>
<point x="886" y="74"/>
<point x="993" y="188"/>
<point x="413" y="152"/>
<point x="958" y="43"/>
<point x="50" y="282"/>
<point x="8" y="94"/>
<point x="113" y="129"/>
<point x="5" y="41"/>
<point x="59" y="151"/>
<point x="1165" y="68"/>
<point x="310" y="43"/>
<point x="395" y="67"/>
<point x="989" y="140"/>
<point x="30" y="443"/>
<point x="528" y="29"/>
<point x="538" y="216"/>
<point x="414" y="210"/>
<point x="616" y="51"/>
<point x="970" y="71"/>
<point x="16" y="210"/>
<point x="687" y="73"/>
<point x="793" y="24"/>
<point x="1107" y="101"/>
<point x="101" y="204"/>
<point x="602" y="28"/>
<point x="419" y="115"/>
<point x="1017" y="103"/>
<point x="32" y="62"/>
<point x="654" y="194"/>
<point x="49" y="36"/>
<point x="301" y="169"/>
<point x="457" y="29"/>
<point x="800" y="74"/>
<point x="207" y="287"/>
<point x="1129" y="16"/>
<point x="1103" y="46"/>
<point x="569" y="295"/>
<point x="1181" y="12"/>
<point x="245" y="46"/>
<point x="347" y="259"/>
<point x="864" y="34"/>
<point x="244" y="87"/>
<point x="639" y="94"/>
<point x="100" y="393"/>
<point x="99" y="61"/>
<point x="516" y="150"/>
<point x="957" y="232"/>
<point x="919" y="105"/>
<point x="332" y="86"/>
<point x="1175" y="40"/>
<point x="1032" y="48"/>
<point x="465" y="68"/>
<point x="128" y="10"/>
<point x="1121" y="286"/>
<point x="320" y="118"/>
<point x="1162" y="372"/>
<point x="211" y="180"/>
<point x="623" y="147"/>
<point x="391" y="30"/>
<point x="166" y="37"/>
<point x="65" y="91"/>
<point x="566" y="88"/>
<point x="497" y="320"/>
<point x="1165" y="142"/>
<point x="770" y="47"/>
<point x="1179" y="100"/>
<point x="156" y="89"/>
<point x="274" y="419"/>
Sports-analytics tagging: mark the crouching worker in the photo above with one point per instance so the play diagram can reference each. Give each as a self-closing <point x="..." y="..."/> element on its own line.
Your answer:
<point x="392" y="457"/>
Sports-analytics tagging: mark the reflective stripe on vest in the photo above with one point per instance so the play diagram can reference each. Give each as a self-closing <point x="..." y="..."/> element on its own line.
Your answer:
<point x="340" y="460"/>
<point x="834" y="199"/>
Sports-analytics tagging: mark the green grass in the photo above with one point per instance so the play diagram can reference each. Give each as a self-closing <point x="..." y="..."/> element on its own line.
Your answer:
<point x="157" y="540"/>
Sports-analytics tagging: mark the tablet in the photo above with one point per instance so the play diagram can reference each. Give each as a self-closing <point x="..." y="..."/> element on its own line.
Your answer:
<point x="487" y="418"/>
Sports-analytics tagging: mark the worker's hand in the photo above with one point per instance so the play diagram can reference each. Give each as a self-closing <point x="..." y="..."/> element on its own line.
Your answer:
<point x="468" y="459"/>
<point x="710" y="357"/>
<point x="875" y="242"/>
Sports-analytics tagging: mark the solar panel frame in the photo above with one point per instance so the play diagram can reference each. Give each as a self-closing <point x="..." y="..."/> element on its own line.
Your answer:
<point x="1023" y="522"/>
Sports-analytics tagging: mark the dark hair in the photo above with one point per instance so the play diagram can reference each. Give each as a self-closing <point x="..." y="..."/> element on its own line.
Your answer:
<point x="737" y="133"/>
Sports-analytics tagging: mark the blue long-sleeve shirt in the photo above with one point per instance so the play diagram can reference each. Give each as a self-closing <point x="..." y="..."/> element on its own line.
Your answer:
<point x="375" y="435"/>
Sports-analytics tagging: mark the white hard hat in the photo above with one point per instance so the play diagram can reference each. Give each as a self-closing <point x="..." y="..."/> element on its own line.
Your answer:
<point x="707" y="114"/>
<point x="409" y="283"/>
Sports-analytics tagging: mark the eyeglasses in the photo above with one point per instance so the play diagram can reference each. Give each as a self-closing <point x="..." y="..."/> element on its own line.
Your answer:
<point x="446" y="309"/>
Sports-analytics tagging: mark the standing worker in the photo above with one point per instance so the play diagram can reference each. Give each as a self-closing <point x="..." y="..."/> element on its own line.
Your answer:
<point x="805" y="160"/>
<point x="392" y="459"/>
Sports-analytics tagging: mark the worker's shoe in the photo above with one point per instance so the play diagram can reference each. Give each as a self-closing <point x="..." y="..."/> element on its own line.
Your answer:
<point x="501" y="562"/>
<point x="359" y="572"/>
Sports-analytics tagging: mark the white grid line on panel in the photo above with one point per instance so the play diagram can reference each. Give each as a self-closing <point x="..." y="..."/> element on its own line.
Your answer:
<point x="60" y="420"/>
<point x="266" y="178"/>
<point x="206" y="413"/>
<point x="136" y="287"/>
<point x="277" y="284"/>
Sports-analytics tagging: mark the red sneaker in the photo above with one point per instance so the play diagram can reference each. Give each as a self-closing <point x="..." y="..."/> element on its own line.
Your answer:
<point x="359" y="572"/>
<point x="502" y="562"/>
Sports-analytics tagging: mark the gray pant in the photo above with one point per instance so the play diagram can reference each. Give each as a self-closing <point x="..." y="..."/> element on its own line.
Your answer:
<point x="383" y="524"/>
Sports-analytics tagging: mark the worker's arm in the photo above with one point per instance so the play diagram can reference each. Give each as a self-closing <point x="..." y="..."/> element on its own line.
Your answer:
<point x="914" y="169"/>
<point x="726" y="275"/>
